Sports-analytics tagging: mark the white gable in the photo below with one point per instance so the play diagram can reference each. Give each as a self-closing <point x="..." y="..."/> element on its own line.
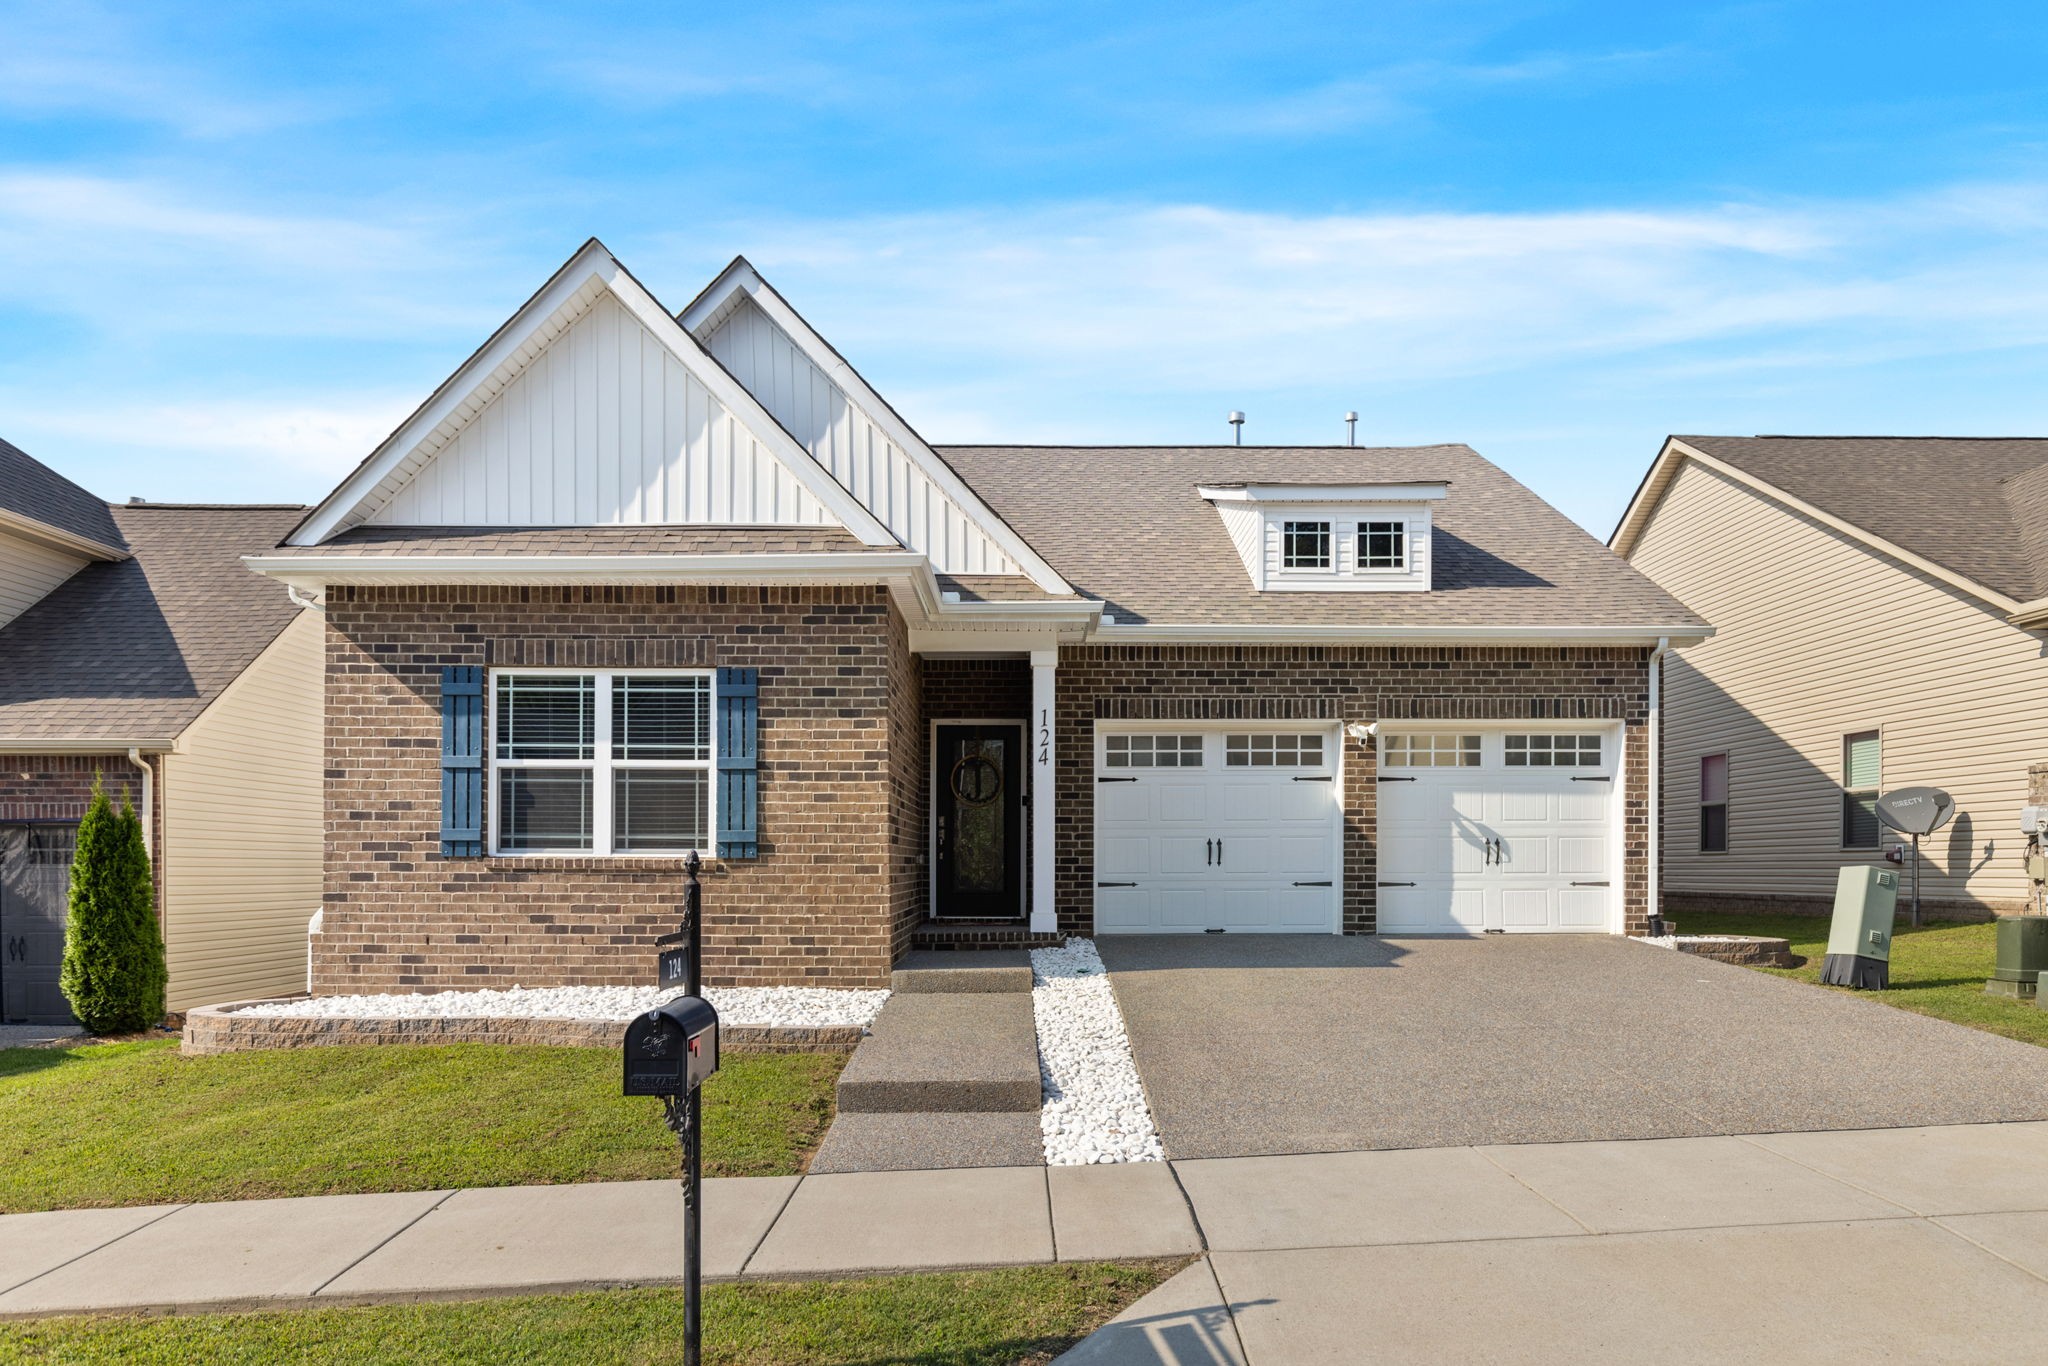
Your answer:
<point x="847" y="440"/>
<point x="591" y="407"/>
<point x="604" y="426"/>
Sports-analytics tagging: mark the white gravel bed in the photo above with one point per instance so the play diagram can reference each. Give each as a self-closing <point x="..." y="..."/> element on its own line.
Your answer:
<point x="735" y="1005"/>
<point x="1672" y="941"/>
<point x="1094" y="1108"/>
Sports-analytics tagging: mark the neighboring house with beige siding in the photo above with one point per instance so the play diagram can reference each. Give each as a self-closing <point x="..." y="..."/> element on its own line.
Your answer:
<point x="156" y="665"/>
<point x="1879" y="606"/>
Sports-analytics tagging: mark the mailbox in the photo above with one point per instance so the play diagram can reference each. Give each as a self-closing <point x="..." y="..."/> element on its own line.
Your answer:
<point x="672" y="1048"/>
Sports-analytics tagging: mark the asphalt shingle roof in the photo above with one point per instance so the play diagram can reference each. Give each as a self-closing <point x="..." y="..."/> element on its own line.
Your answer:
<point x="1125" y="524"/>
<point x="1977" y="506"/>
<point x="31" y="489"/>
<point x="137" y="648"/>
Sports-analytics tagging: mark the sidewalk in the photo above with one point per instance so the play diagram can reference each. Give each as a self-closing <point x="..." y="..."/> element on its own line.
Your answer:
<point x="1690" y="1249"/>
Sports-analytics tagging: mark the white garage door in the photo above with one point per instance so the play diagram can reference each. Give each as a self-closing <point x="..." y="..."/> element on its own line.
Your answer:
<point x="1496" y="830"/>
<point x="1199" y="829"/>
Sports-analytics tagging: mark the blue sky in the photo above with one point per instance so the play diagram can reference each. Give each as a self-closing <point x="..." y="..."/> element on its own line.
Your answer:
<point x="237" y="243"/>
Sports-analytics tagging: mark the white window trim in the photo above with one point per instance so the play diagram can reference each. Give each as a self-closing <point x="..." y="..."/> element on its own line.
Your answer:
<point x="601" y="765"/>
<point x="1334" y="540"/>
<point x="1358" y="564"/>
<point x="1844" y="791"/>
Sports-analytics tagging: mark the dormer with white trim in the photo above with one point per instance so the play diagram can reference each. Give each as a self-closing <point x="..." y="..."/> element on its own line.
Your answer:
<point x="1331" y="538"/>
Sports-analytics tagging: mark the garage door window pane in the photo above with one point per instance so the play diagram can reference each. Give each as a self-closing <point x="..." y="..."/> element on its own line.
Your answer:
<point x="1273" y="751"/>
<point x="1152" y="751"/>
<point x="543" y="808"/>
<point x="1432" y="751"/>
<point x="1553" y="751"/>
<point x="660" y="808"/>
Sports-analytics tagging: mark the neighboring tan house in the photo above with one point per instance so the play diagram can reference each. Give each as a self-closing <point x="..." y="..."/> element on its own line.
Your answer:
<point x="1879" y="606"/>
<point x="135" y="649"/>
<point x="632" y="584"/>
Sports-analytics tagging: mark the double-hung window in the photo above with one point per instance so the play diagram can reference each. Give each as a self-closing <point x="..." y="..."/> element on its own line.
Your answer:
<point x="1714" y="804"/>
<point x="601" y="763"/>
<point x="1305" y="545"/>
<point x="1862" y="771"/>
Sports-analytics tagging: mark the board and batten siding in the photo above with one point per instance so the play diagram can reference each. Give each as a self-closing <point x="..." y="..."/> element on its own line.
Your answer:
<point x="846" y="440"/>
<point x="242" y="829"/>
<point x="1818" y="636"/>
<point x="28" y="571"/>
<point x="603" y="427"/>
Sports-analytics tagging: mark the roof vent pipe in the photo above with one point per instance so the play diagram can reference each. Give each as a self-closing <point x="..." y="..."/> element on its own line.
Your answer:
<point x="1236" y="427"/>
<point x="1351" y="428"/>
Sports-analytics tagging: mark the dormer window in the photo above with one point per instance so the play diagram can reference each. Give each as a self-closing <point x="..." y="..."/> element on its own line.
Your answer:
<point x="1331" y="538"/>
<point x="1383" y="547"/>
<point x="1306" y="546"/>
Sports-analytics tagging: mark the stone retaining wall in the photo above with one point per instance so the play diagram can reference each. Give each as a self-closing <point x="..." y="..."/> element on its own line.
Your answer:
<point x="1747" y="950"/>
<point x="223" y="1029"/>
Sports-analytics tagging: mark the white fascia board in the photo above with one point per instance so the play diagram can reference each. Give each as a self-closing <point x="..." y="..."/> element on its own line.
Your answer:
<point x="85" y="745"/>
<point x="310" y="571"/>
<point x="1421" y="491"/>
<point x="1665" y="470"/>
<point x="741" y="277"/>
<point x="1164" y="633"/>
<point x="593" y="259"/>
<point x="56" y="538"/>
<point x="2031" y="615"/>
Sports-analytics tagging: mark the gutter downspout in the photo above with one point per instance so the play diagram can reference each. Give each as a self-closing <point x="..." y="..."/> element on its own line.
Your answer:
<point x="1656" y="784"/>
<point x="148" y="804"/>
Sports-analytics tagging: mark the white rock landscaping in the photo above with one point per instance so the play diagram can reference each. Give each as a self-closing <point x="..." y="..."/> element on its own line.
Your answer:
<point x="1094" y="1108"/>
<point x="788" y="1006"/>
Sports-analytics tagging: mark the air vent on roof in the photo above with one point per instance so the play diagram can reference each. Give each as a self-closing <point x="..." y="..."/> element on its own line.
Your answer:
<point x="1351" y="428"/>
<point x="1236" y="427"/>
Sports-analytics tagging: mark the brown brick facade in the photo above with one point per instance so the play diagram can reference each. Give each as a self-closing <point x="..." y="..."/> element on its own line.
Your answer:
<point x="823" y="904"/>
<point x="1332" y="684"/>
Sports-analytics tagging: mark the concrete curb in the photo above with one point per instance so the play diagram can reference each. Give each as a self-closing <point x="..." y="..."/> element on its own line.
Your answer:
<point x="223" y="1029"/>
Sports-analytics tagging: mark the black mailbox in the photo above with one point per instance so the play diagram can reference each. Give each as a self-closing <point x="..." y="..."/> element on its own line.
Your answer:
<point x="672" y="1048"/>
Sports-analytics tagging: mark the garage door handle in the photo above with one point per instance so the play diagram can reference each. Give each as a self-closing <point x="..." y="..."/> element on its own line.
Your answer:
<point x="1312" y="884"/>
<point x="1116" y="780"/>
<point x="1394" y="884"/>
<point x="1590" y="884"/>
<point x="1592" y="778"/>
<point x="1383" y="778"/>
<point x="1319" y="778"/>
<point x="1116" y="884"/>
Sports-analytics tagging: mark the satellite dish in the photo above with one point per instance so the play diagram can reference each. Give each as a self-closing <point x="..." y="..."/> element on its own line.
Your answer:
<point x="1916" y="810"/>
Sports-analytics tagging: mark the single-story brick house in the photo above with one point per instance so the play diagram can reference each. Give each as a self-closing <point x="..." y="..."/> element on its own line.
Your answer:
<point x="135" y="650"/>
<point x="633" y="583"/>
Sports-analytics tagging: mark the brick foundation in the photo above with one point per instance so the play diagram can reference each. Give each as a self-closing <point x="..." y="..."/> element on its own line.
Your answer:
<point x="825" y="902"/>
<point x="1338" y="685"/>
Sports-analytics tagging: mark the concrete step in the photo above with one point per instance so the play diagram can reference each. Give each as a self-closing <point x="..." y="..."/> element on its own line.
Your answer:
<point x="970" y="1052"/>
<point x="929" y="1141"/>
<point x="928" y="971"/>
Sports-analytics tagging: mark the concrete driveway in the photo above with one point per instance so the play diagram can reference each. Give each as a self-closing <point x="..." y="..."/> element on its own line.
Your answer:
<point x="1296" y="1044"/>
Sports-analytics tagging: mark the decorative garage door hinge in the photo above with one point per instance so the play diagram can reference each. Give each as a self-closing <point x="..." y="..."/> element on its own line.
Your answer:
<point x="1116" y="884"/>
<point x="1592" y="778"/>
<point x="1318" y="778"/>
<point x="1383" y="778"/>
<point x="1589" y="884"/>
<point x="1116" y="780"/>
<point x="1393" y="884"/>
<point x="1312" y="884"/>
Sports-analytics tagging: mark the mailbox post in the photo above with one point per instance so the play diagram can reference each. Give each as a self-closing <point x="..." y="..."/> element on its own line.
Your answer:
<point x="670" y="1051"/>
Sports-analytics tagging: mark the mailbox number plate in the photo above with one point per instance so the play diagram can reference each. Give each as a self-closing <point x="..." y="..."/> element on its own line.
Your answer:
<point x="674" y="967"/>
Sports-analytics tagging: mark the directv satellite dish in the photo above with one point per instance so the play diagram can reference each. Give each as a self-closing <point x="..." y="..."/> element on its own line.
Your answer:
<point x="1916" y="810"/>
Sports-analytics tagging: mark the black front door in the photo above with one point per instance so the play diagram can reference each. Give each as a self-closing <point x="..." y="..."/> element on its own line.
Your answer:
<point x="979" y="849"/>
<point x="35" y="884"/>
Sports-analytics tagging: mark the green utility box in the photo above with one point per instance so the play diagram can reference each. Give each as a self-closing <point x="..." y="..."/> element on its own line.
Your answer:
<point x="1860" y="936"/>
<point x="2022" y="956"/>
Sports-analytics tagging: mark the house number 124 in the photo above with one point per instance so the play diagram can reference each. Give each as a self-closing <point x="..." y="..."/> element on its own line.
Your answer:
<point x="1044" y="736"/>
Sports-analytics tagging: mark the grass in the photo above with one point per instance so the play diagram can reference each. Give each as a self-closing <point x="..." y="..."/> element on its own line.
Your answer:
<point x="137" y="1123"/>
<point x="979" y="1318"/>
<point x="1938" y="969"/>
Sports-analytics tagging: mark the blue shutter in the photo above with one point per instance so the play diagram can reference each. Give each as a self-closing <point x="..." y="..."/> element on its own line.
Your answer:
<point x="462" y="762"/>
<point x="739" y="792"/>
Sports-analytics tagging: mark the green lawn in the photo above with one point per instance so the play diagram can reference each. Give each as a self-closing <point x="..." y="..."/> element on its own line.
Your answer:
<point x="1938" y="969"/>
<point x="979" y="1318"/>
<point x="136" y="1123"/>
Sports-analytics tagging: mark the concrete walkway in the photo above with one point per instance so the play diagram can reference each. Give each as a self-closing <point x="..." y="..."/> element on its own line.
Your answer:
<point x="1344" y="1043"/>
<point x="1723" y="1249"/>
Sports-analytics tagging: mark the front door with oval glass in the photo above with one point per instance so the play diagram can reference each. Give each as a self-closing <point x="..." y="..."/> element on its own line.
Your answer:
<point x="977" y="843"/>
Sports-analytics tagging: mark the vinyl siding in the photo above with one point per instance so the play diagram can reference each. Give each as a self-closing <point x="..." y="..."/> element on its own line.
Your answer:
<point x="1818" y="636"/>
<point x="602" y="426"/>
<point x="28" y="571"/>
<point x="847" y="441"/>
<point x="242" y="829"/>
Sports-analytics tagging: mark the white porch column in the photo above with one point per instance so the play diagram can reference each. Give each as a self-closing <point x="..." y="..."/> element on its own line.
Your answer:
<point x="1044" y="664"/>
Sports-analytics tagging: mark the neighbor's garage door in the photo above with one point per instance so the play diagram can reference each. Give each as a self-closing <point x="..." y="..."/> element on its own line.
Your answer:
<point x="1216" y="829"/>
<point x="1496" y="831"/>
